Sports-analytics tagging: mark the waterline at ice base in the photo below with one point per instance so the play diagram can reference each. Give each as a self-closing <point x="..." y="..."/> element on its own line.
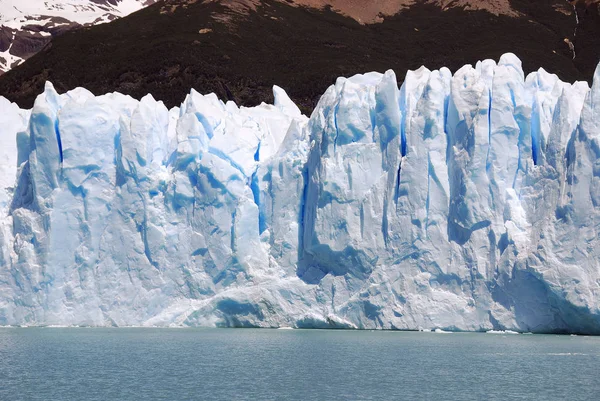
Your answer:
<point x="465" y="202"/>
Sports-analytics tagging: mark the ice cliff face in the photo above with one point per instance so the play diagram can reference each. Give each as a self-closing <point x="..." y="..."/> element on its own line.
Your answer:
<point x="465" y="202"/>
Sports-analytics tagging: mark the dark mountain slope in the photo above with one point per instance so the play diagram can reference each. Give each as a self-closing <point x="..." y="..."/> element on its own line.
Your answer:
<point x="168" y="48"/>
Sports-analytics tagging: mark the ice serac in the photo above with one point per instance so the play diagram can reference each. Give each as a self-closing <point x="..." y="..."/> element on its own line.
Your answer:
<point x="455" y="202"/>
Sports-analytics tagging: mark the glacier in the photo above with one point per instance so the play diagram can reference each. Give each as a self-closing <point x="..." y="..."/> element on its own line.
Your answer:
<point x="462" y="202"/>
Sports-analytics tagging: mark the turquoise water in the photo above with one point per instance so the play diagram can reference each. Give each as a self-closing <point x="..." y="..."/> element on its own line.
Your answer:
<point x="229" y="364"/>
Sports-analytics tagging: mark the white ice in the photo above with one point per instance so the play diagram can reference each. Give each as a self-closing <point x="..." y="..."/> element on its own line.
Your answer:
<point x="465" y="201"/>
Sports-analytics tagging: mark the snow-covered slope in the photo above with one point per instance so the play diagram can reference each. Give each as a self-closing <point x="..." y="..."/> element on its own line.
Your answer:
<point x="465" y="202"/>
<point x="26" y="26"/>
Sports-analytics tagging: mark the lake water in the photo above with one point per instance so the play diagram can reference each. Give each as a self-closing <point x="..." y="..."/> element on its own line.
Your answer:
<point x="230" y="364"/>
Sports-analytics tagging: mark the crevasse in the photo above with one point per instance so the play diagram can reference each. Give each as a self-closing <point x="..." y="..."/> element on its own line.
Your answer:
<point x="459" y="202"/>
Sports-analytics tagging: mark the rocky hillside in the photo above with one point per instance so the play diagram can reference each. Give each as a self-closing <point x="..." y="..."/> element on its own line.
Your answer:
<point x="240" y="48"/>
<point x="27" y="26"/>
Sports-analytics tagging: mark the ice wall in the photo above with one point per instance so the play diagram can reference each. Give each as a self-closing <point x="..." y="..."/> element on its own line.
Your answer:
<point x="464" y="202"/>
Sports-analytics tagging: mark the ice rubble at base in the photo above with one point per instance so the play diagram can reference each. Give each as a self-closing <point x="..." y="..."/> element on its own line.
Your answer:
<point x="465" y="202"/>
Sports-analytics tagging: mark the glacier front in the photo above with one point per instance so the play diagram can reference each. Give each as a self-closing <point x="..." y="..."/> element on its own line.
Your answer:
<point x="456" y="202"/>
